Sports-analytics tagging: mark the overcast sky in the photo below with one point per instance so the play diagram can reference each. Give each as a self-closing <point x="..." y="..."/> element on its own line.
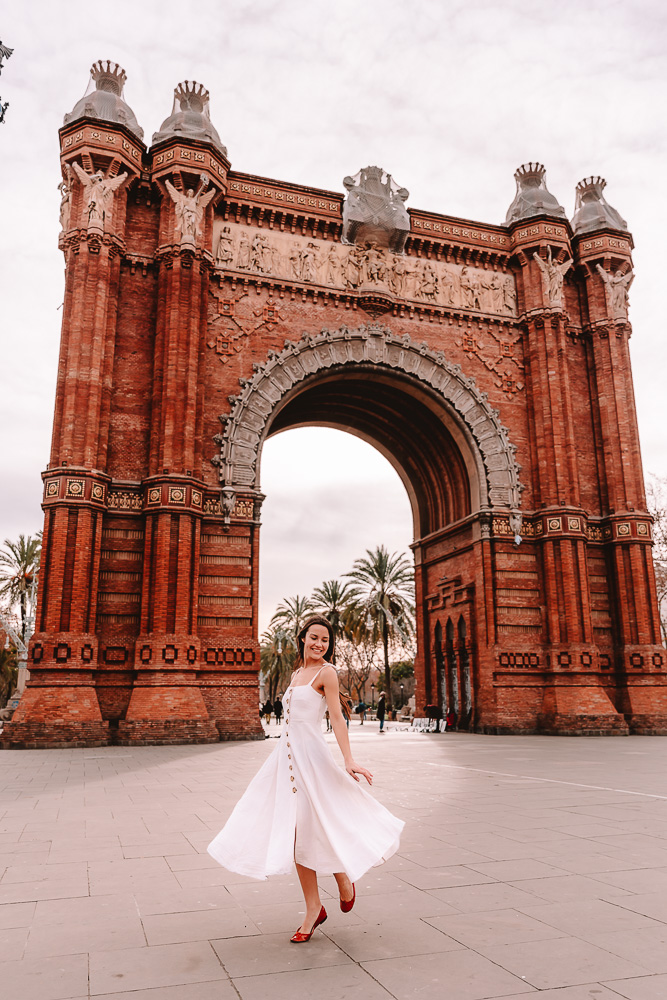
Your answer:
<point x="450" y="97"/>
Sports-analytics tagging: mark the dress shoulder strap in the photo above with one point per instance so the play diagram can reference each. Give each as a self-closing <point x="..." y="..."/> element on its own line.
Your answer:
<point x="318" y="674"/>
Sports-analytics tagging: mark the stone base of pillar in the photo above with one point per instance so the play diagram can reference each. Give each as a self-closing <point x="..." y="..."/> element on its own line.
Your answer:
<point x="232" y="701"/>
<point x="572" y="708"/>
<point x="238" y="730"/>
<point x="563" y="724"/>
<point x="160" y="714"/>
<point x="56" y="718"/>
<point x="161" y="732"/>
<point x="646" y="705"/>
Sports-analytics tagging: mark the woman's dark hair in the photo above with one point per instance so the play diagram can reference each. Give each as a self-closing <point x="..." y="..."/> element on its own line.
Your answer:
<point x="301" y="637"/>
<point x="345" y="703"/>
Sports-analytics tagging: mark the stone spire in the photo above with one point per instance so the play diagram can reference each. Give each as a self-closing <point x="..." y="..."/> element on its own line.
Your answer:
<point x="104" y="98"/>
<point x="190" y="118"/>
<point x="591" y="211"/>
<point x="532" y="196"/>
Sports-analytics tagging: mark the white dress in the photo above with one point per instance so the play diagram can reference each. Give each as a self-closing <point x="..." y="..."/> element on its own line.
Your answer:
<point x="302" y="806"/>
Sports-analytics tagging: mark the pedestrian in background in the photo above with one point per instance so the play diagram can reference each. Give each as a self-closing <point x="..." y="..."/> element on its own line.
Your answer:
<point x="381" y="711"/>
<point x="278" y="710"/>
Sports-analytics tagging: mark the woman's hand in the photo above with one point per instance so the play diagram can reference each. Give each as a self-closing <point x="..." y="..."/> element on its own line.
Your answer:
<point x="354" y="770"/>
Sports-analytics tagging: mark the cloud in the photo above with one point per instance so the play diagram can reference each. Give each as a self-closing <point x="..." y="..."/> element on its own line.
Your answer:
<point x="449" y="96"/>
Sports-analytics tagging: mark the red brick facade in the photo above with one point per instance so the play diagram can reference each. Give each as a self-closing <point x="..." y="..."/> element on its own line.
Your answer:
<point x="506" y="405"/>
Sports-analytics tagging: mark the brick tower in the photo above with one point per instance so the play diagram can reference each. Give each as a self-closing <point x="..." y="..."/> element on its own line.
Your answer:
<point x="206" y="309"/>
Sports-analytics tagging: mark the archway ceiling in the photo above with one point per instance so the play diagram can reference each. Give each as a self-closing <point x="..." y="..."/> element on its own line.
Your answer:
<point x="402" y="424"/>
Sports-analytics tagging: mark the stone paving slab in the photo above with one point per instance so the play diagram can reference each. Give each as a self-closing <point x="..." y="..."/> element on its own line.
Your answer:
<point x="528" y="866"/>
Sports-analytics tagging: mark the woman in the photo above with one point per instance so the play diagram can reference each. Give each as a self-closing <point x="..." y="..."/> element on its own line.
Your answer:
<point x="300" y="806"/>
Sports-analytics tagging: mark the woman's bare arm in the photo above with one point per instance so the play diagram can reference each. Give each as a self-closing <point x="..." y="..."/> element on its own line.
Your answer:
<point x="329" y="687"/>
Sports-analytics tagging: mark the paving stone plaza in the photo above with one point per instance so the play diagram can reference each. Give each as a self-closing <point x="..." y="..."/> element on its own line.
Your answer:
<point x="528" y="865"/>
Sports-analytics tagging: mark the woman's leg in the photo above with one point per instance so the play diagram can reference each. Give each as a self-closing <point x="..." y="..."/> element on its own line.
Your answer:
<point x="311" y="894"/>
<point x="344" y="886"/>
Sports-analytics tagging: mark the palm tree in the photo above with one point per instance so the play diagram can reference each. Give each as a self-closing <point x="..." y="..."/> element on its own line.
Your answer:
<point x="292" y="613"/>
<point x="332" y="600"/>
<point x="277" y="656"/>
<point x="384" y="585"/>
<point x="19" y="567"/>
<point x="360" y="637"/>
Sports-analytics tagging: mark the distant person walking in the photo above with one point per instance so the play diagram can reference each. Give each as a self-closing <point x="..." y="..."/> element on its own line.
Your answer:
<point x="268" y="712"/>
<point x="278" y="710"/>
<point x="381" y="711"/>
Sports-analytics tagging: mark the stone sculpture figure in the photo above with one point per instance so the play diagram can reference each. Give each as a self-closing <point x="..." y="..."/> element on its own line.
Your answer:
<point x="225" y="254"/>
<point x="190" y="209"/>
<point x="295" y="261"/>
<point x="616" y="289"/>
<point x="257" y="253"/>
<point x="99" y="194"/>
<point x="496" y="293"/>
<point x="309" y="263"/>
<point x="509" y="295"/>
<point x="332" y="276"/>
<point x="354" y="267"/>
<point x="553" y="276"/>
<point x="373" y="264"/>
<point x="398" y="276"/>
<point x="244" y="252"/>
<point x="427" y="282"/>
<point x="467" y="292"/>
<point x="65" y="188"/>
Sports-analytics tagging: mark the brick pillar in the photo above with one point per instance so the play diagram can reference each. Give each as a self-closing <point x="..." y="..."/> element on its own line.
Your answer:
<point x="575" y="696"/>
<point x="638" y="659"/>
<point x="166" y="705"/>
<point x="60" y="706"/>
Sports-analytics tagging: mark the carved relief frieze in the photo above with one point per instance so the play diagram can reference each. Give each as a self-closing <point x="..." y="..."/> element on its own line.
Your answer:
<point x="362" y="269"/>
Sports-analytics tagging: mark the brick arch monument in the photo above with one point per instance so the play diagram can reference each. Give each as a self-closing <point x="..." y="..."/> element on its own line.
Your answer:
<point x="206" y="309"/>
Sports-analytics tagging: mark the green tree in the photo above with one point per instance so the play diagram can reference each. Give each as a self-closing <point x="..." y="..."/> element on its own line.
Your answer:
<point x="358" y="648"/>
<point x="332" y="600"/>
<point x="292" y="613"/>
<point x="383" y="585"/>
<point x="277" y="656"/>
<point x="402" y="669"/>
<point x="19" y="567"/>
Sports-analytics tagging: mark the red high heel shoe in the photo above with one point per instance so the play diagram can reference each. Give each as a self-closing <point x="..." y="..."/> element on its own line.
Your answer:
<point x="347" y="904"/>
<point x="300" y="938"/>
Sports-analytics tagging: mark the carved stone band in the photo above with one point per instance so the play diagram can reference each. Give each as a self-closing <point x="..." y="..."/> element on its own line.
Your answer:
<point x="376" y="345"/>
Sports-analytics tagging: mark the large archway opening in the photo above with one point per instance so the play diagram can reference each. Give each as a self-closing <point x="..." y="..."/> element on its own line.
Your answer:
<point x="445" y="442"/>
<point x="329" y="497"/>
<point x="406" y="423"/>
<point x="431" y="454"/>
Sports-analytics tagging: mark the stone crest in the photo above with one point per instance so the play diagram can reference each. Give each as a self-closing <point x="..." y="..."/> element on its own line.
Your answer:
<point x="374" y="211"/>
